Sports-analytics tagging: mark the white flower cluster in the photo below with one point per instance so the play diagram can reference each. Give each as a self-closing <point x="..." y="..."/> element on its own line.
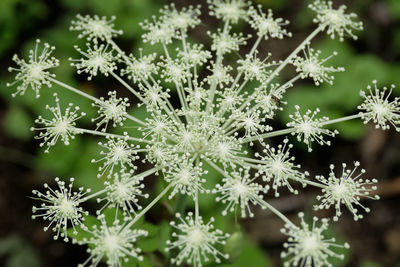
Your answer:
<point x="202" y="110"/>
<point x="308" y="246"/>
<point x="347" y="189"/>
<point x="34" y="73"/>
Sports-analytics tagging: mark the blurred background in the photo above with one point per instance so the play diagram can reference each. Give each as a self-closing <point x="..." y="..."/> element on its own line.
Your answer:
<point x="375" y="240"/>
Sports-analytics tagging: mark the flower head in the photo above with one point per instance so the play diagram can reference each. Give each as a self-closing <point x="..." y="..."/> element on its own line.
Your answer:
<point x="142" y="68"/>
<point x="225" y="42"/>
<point x="124" y="192"/>
<point x="379" y="109"/>
<point x="219" y="74"/>
<point x="265" y="24"/>
<point x="195" y="241"/>
<point x="280" y="167"/>
<point x="186" y="178"/>
<point x="307" y="246"/>
<point x="116" y="243"/>
<point x="182" y="20"/>
<point x="61" y="126"/>
<point x="34" y="73"/>
<point x="229" y="10"/>
<point x="239" y="191"/>
<point x="61" y="207"/>
<point x="157" y="31"/>
<point x="117" y="152"/>
<point x="347" y="189"/>
<point x="195" y="54"/>
<point x="309" y="129"/>
<point x="95" y="28"/>
<point x="96" y="59"/>
<point x="254" y="68"/>
<point x="336" y="21"/>
<point x="311" y="66"/>
<point x="174" y="70"/>
<point x="113" y="109"/>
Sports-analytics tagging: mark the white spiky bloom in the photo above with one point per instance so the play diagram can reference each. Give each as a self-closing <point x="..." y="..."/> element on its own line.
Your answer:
<point x="224" y="42"/>
<point x="309" y="129"/>
<point x="265" y="24"/>
<point x="95" y="28"/>
<point x="187" y="179"/>
<point x="60" y="207"/>
<point x="308" y="246"/>
<point x="379" y="109"/>
<point x="199" y="111"/>
<point x="113" y="109"/>
<point x="311" y="66"/>
<point x="60" y="126"/>
<point x="196" y="241"/>
<point x="117" y="152"/>
<point x="34" y="73"/>
<point x="96" y="59"/>
<point x="279" y="167"/>
<point x="195" y="54"/>
<point x="346" y="189"/>
<point x="254" y="68"/>
<point x="124" y="192"/>
<point x="335" y="21"/>
<point x="157" y="31"/>
<point x="174" y="71"/>
<point x="228" y="10"/>
<point x="182" y="20"/>
<point x="115" y="243"/>
<point x="140" y="69"/>
<point x="219" y="75"/>
<point x="239" y="190"/>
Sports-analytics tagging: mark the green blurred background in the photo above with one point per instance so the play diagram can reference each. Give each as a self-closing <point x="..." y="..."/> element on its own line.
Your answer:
<point x="255" y="242"/>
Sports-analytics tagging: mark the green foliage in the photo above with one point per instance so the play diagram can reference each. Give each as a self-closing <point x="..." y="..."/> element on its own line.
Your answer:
<point x="251" y="255"/>
<point x="17" y="123"/>
<point x="18" y="252"/>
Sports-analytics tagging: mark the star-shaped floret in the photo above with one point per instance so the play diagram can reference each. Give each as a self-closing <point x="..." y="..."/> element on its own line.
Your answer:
<point x="95" y="28"/>
<point x="335" y="21"/>
<point x="379" y="109"/>
<point x="61" y="207"/>
<point x="348" y="188"/>
<point x="34" y="73"/>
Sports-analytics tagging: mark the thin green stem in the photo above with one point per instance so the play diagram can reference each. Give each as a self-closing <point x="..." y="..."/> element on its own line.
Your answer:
<point x="266" y="205"/>
<point x="77" y="91"/>
<point x="149" y="206"/>
<point x="127" y="86"/>
<point x="93" y="195"/>
<point x="294" y="53"/>
<point x="113" y="135"/>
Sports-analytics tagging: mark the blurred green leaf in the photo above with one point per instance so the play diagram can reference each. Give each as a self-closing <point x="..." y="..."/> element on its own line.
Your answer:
<point x="17" y="123"/>
<point x="18" y="252"/>
<point x="234" y="246"/>
<point x="61" y="158"/>
<point x="251" y="255"/>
